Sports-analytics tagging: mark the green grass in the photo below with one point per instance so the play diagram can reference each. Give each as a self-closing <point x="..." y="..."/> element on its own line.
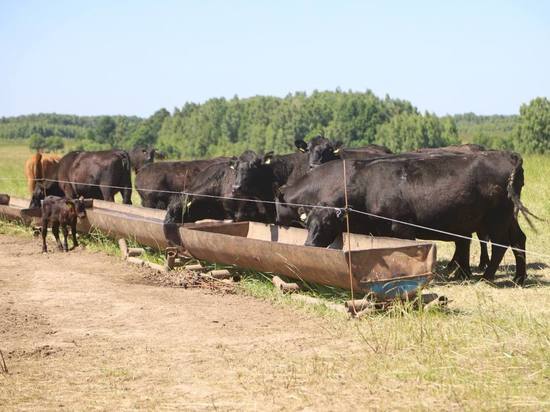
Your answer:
<point x="490" y="350"/>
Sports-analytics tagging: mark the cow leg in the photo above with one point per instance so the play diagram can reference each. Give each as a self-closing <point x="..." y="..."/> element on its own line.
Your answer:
<point x="73" y="233"/>
<point x="65" y="234"/>
<point x="496" y="255"/>
<point x="127" y="196"/>
<point x="44" y="232"/>
<point x="462" y="254"/>
<point x="108" y="194"/>
<point x="67" y="188"/>
<point x="453" y="263"/>
<point x="484" y="256"/>
<point x="55" y="231"/>
<point x="517" y="240"/>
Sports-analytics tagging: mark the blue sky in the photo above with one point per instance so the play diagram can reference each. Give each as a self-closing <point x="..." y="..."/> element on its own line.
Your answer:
<point x="133" y="57"/>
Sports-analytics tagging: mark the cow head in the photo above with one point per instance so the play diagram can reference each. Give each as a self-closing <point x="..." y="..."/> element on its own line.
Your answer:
<point x="249" y="170"/>
<point x="141" y="156"/>
<point x="324" y="225"/>
<point x="37" y="196"/>
<point x="79" y="206"/>
<point x="320" y="149"/>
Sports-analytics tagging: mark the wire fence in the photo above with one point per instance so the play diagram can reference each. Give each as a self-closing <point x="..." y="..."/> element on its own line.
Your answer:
<point x="312" y="206"/>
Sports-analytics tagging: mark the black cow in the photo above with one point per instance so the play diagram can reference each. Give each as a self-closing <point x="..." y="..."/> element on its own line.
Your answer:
<point x="96" y="175"/>
<point x="459" y="194"/>
<point x="213" y="195"/>
<point x="59" y="211"/>
<point x="322" y="150"/>
<point x="141" y="156"/>
<point x="156" y="183"/>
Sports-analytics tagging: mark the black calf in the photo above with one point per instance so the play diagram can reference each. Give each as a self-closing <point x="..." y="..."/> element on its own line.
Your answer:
<point x="61" y="212"/>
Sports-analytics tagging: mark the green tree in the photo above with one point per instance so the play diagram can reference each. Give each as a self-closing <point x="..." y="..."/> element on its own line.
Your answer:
<point x="533" y="129"/>
<point x="408" y="131"/>
<point x="147" y="132"/>
<point x="37" y="142"/>
<point x="54" y="144"/>
<point x="105" y="130"/>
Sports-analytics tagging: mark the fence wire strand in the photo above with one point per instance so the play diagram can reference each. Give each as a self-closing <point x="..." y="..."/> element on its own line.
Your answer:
<point x="335" y="208"/>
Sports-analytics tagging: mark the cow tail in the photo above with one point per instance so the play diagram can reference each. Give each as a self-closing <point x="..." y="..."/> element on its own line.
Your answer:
<point x="515" y="183"/>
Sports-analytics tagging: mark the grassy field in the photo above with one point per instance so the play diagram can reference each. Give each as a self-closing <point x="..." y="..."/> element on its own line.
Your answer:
<point x="490" y="350"/>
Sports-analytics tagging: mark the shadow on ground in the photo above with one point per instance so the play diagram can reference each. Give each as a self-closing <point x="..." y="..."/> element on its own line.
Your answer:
<point x="503" y="278"/>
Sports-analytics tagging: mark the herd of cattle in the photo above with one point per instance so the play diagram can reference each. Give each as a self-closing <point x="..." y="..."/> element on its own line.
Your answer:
<point x="454" y="190"/>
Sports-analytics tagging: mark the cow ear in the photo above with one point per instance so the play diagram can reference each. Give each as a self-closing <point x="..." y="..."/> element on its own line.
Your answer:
<point x="337" y="147"/>
<point x="302" y="213"/>
<point x="340" y="215"/>
<point x="268" y="157"/>
<point x="301" y="145"/>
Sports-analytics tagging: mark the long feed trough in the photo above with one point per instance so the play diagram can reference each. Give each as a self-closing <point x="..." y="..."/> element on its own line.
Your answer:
<point x="385" y="267"/>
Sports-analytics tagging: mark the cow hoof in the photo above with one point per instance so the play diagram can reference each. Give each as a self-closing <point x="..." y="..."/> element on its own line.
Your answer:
<point x="450" y="266"/>
<point x="462" y="275"/>
<point x="519" y="280"/>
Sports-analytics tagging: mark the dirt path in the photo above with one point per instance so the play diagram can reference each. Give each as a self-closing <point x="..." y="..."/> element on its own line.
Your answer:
<point x="79" y="331"/>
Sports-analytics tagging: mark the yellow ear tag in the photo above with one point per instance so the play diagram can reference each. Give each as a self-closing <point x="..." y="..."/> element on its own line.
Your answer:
<point x="301" y="149"/>
<point x="268" y="161"/>
<point x="303" y="217"/>
<point x="70" y="205"/>
<point x="232" y="167"/>
<point x="336" y="151"/>
<point x="189" y="204"/>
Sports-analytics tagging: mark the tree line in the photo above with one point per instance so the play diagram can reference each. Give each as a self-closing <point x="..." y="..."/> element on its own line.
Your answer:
<point x="222" y="126"/>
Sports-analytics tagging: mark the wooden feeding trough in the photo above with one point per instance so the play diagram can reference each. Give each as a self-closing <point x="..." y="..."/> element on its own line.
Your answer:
<point x="115" y="220"/>
<point x="16" y="209"/>
<point x="385" y="267"/>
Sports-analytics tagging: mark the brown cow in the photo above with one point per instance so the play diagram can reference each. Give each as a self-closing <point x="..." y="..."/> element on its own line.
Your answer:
<point x="39" y="167"/>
